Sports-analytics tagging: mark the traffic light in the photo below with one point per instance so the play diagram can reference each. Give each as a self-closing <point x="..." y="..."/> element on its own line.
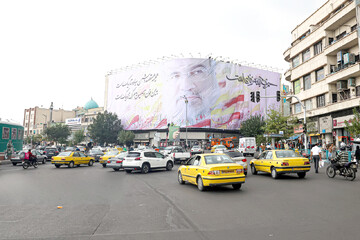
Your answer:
<point x="278" y="96"/>
<point x="252" y="96"/>
<point x="304" y="128"/>
<point x="257" y="96"/>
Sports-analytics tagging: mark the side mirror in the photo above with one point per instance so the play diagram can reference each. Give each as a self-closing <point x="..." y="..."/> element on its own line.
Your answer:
<point x="256" y="155"/>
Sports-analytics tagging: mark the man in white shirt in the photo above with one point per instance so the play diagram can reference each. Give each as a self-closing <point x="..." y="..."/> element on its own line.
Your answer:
<point x="316" y="155"/>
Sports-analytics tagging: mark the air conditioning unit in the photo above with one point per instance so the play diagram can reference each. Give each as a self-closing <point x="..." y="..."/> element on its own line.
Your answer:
<point x="351" y="82"/>
<point x="349" y="58"/>
<point x="341" y="85"/>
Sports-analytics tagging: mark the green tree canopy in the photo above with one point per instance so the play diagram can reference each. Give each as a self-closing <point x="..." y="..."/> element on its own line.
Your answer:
<point x="126" y="137"/>
<point x="79" y="136"/>
<point x="105" y="128"/>
<point x="353" y="126"/>
<point x="276" y="122"/>
<point x="252" y="126"/>
<point x="57" y="133"/>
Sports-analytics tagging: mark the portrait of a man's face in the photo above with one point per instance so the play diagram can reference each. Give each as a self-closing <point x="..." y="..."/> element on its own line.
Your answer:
<point x="194" y="80"/>
<point x="5" y="133"/>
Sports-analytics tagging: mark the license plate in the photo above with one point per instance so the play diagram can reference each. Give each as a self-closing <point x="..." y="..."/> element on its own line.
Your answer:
<point x="227" y="171"/>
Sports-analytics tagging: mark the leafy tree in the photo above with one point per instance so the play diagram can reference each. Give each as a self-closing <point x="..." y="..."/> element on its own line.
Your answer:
<point x="57" y="133"/>
<point x="126" y="137"/>
<point x="276" y="122"/>
<point x="34" y="139"/>
<point x="78" y="137"/>
<point x="353" y="126"/>
<point x="105" y="128"/>
<point x="252" y="126"/>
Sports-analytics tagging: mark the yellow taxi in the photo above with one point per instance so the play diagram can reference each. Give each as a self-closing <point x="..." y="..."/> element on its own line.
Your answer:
<point x="279" y="162"/>
<point x="208" y="170"/>
<point x="218" y="148"/>
<point x="110" y="154"/>
<point x="71" y="159"/>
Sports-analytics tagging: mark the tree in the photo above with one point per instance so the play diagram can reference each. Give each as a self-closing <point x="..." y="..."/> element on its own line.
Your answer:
<point x="57" y="133"/>
<point x="276" y="122"/>
<point x="105" y="128"/>
<point x="126" y="137"/>
<point x="34" y="139"/>
<point x="353" y="126"/>
<point x="253" y="127"/>
<point x="79" y="137"/>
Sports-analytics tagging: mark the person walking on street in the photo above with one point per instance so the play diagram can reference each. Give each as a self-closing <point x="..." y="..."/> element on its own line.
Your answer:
<point x="316" y="155"/>
<point x="357" y="154"/>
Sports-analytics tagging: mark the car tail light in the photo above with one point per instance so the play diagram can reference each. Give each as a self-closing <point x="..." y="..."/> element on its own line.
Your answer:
<point x="307" y="163"/>
<point x="101" y="158"/>
<point x="56" y="152"/>
<point x="63" y="159"/>
<point x="173" y="154"/>
<point x="244" y="160"/>
<point x="108" y="161"/>
<point x="285" y="164"/>
<point x="52" y="158"/>
<point x="239" y="171"/>
<point x="252" y="146"/>
<point x="248" y="147"/>
<point x="119" y="161"/>
<point x="215" y="172"/>
<point x="138" y="158"/>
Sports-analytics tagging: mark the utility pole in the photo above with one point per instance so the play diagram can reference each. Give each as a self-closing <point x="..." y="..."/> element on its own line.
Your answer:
<point x="51" y="110"/>
<point x="186" y="103"/>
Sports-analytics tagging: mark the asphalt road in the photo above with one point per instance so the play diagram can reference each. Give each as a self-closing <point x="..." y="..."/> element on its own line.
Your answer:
<point x="100" y="203"/>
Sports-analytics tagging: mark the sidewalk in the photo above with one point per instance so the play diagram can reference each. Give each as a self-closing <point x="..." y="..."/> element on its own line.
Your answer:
<point x="5" y="162"/>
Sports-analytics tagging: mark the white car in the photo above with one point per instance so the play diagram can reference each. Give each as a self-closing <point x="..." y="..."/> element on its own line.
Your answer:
<point x="145" y="161"/>
<point x="239" y="158"/>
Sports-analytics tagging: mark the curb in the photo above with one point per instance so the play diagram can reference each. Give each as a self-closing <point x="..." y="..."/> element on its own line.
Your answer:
<point x="5" y="162"/>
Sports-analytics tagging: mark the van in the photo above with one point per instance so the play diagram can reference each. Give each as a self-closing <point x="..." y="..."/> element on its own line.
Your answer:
<point x="247" y="145"/>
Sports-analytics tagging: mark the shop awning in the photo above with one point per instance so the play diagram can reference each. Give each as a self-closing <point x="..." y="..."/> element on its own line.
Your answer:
<point x="296" y="136"/>
<point x="314" y="134"/>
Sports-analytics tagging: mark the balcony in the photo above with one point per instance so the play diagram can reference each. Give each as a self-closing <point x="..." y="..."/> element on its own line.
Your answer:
<point x="287" y="75"/>
<point x="287" y="54"/>
<point x="344" y="74"/>
<point x="341" y="17"/>
<point x="350" y="40"/>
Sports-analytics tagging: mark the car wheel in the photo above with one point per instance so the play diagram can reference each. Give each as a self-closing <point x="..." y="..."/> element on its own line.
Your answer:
<point x="236" y="186"/>
<point x="116" y="169"/>
<point x="274" y="173"/>
<point x="91" y="162"/>
<point x="169" y="165"/>
<point x="301" y="174"/>
<point x="57" y="165"/>
<point x="128" y="171"/>
<point x="253" y="169"/>
<point x="14" y="163"/>
<point x="200" y="184"/>
<point x="245" y="173"/>
<point x="71" y="165"/>
<point x="145" y="168"/>
<point x="180" y="179"/>
<point x="104" y="165"/>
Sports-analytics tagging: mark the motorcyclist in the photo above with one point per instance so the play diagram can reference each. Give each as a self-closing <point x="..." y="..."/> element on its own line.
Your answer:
<point x="29" y="156"/>
<point x="342" y="158"/>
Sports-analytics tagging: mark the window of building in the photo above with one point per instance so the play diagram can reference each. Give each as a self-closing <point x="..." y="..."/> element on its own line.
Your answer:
<point x="357" y="91"/>
<point x="320" y="101"/>
<point x="344" y="95"/>
<point x="334" y="98"/>
<point x="353" y="28"/>
<point x="341" y="35"/>
<point x="297" y="107"/>
<point x="306" y="55"/>
<point x="86" y="119"/>
<point x="331" y="41"/>
<point x="307" y="82"/>
<point x="308" y="104"/>
<point x="296" y="61"/>
<point x="318" y="48"/>
<point x="319" y="74"/>
<point x="297" y="86"/>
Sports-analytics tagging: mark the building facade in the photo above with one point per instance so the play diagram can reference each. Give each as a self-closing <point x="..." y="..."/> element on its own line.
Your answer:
<point x="36" y="119"/>
<point x="324" y="70"/>
<point x="10" y="132"/>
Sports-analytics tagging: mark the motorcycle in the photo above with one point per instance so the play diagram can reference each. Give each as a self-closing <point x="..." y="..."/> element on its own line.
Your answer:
<point x="28" y="163"/>
<point x="348" y="170"/>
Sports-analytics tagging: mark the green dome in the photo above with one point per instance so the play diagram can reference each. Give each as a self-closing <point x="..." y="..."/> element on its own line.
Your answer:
<point x="91" y="104"/>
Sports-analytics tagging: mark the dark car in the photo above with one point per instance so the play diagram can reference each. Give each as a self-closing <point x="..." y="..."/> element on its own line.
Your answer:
<point x="96" y="153"/>
<point x="18" y="158"/>
<point x="50" y="152"/>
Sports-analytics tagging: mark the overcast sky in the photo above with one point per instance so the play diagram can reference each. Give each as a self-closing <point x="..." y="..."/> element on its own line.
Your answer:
<point x="60" y="51"/>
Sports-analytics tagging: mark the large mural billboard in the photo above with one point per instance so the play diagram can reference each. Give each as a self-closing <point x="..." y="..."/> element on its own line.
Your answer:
<point x="208" y="93"/>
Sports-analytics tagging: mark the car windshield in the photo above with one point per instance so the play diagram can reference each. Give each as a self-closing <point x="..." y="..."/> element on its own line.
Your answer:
<point x="286" y="154"/>
<point x="64" y="154"/>
<point x="234" y="154"/>
<point x="95" y="151"/>
<point x="133" y="154"/>
<point x="112" y="153"/>
<point x="69" y="149"/>
<point x="195" y="147"/>
<point x="217" y="159"/>
<point x="121" y="155"/>
<point x="168" y="148"/>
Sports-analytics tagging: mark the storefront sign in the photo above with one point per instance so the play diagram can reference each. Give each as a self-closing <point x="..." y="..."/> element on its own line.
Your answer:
<point x="325" y="124"/>
<point x="340" y="121"/>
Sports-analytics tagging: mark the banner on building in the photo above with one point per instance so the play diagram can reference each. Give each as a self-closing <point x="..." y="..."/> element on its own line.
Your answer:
<point x="174" y="134"/>
<point x="73" y="121"/>
<point x="208" y="93"/>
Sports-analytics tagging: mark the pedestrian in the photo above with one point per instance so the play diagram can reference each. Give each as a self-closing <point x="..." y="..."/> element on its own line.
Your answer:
<point x="357" y="154"/>
<point x="316" y="155"/>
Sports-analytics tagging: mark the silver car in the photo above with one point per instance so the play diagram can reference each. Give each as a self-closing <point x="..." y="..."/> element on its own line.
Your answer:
<point x="116" y="162"/>
<point x="239" y="158"/>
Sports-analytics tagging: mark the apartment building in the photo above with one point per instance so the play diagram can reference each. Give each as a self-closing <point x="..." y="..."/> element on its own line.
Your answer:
<point x="324" y="70"/>
<point x="36" y="119"/>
